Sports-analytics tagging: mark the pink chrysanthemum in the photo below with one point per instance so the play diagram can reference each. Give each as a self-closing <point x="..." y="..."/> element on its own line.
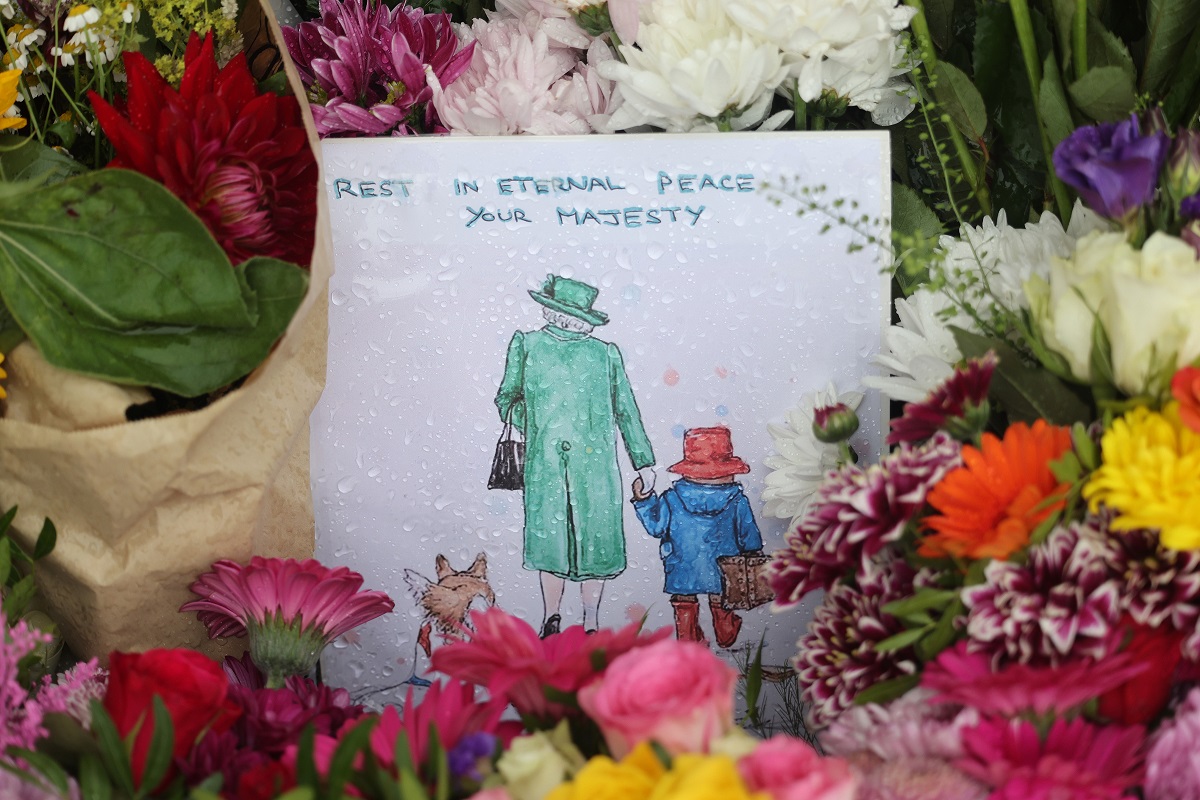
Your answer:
<point x="856" y="513"/>
<point x="960" y="676"/>
<point x="290" y="609"/>
<point x="915" y="726"/>
<point x="959" y="406"/>
<point x="837" y="657"/>
<point x="1059" y="606"/>
<point x="1075" y="760"/>
<point x="915" y="779"/>
<point x="371" y="70"/>
<point x="1173" y="759"/>
<point x="506" y="656"/>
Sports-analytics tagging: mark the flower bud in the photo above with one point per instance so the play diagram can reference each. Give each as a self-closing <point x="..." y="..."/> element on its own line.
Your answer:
<point x="835" y="423"/>
<point x="593" y="19"/>
<point x="1155" y="121"/>
<point x="1183" y="166"/>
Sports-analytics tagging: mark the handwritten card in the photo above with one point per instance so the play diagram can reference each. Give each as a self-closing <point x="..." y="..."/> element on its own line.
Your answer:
<point x="552" y="365"/>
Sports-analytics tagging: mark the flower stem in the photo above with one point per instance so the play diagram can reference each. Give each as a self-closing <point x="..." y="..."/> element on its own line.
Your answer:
<point x="1079" y="39"/>
<point x="275" y="680"/>
<point x="1033" y="68"/>
<point x="800" y="120"/>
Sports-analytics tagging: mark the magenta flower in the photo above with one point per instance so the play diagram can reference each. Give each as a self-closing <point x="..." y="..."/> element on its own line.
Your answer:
<point x="856" y="513"/>
<point x="1113" y="167"/>
<point x="1075" y="760"/>
<point x="958" y="406"/>
<point x="290" y="609"/>
<point x="1059" y="606"/>
<point x="914" y="727"/>
<point x="1173" y="760"/>
<point x="368" y="68"/>
<point x="960" y="676"/>
<point x="837" y="657"/>
<point x="20" y="720"/>
<point x="449" y="709"/>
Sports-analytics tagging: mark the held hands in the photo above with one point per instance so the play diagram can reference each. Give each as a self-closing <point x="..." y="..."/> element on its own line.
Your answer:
<point x="640" y="489"/>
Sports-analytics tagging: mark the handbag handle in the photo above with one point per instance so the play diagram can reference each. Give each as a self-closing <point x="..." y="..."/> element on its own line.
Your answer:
<point x="508" y="434"/>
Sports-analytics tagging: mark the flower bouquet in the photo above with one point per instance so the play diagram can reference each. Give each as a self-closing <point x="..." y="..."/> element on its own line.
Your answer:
<point x="162" y="270"/>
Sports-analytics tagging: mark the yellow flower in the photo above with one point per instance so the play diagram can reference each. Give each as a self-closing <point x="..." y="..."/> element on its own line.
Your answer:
<point x="3" y="374"/>
<point x="700" y="777"/>
<point x="8" y="96"/>
<point x="632" y="778"/>
<point x="1149" y="476"/>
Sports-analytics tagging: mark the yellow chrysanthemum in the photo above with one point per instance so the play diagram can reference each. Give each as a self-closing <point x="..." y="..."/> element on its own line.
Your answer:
<point x="8" y="96"/>
<point x="700" y="777"/>
<point x="1150" y="476"/>
<point x="632" y="778"/>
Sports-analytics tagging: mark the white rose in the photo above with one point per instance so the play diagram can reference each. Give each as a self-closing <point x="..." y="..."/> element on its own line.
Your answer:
<point x="1151" y="315"/>
<point x="535" y="765"/>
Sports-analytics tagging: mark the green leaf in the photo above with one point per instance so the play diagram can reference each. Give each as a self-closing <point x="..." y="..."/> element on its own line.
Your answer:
<point x="1105" y="49"/>
<point x="1066" y="468"/>
<point x="299" y="793"/>
<point x="167" y="310"/>
<point x="961" y="100"/>
<point x="16" y="601"/>
<point x="112" y="749"/>
<point x="162" y="748"/>
<point x="928" y="599"/>
<point x="1169" y="23"/>
<point x="754" y="681"/>
<point x="306" y="767"/>
<point x="901" y="640"/>
<point x="1100" y="360"/>
<point x="5" y="561"/>
<point x="45" y="541"/>
<point x="911" y="216"/>
<point x="942" y="635"/>
<point x="6" y="520"/>
<point x="25" y="159"/>
<point x="1178" y="106"/>
<point x="661" y="753"/>
<point x="11" y="334"/>
<point x="995" y="50"/>
<point x="275" y="84"/>
<point x="441" y="765"/>
<point x="1085" y="447"/>
<point x="1027" y="393"/>
<point x="939" y="15"/>
<point x="47" y="767"/>
<point x="885" y="691"/>
<point x="341" y="766"/>
<point x="1052" y="103"/>
<point x="1105" y="94"/>
<point x="93" y="780"/>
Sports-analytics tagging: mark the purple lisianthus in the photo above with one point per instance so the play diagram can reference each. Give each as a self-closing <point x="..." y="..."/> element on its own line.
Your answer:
<point x="1113" y="166"/>
<point x="466" y="756"/>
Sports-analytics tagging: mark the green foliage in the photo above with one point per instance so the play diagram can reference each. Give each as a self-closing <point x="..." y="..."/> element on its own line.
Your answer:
<point x="112" y="276"/>
<point x="17" y="566"/>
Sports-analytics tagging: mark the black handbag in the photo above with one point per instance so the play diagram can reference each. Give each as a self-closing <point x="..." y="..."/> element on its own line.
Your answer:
<point x="508" y="465"/>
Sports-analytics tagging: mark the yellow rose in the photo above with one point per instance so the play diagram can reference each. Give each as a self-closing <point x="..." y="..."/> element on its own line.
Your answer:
<point x="534" y="765"/>
<point x="699" y="777"/>
<point x="633" y="778"/>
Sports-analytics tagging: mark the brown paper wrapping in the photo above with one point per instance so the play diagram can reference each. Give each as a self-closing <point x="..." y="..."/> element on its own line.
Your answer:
<point x="142" y="508"/>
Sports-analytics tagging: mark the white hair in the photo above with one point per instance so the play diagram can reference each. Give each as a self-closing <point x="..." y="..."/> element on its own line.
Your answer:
<point x="567" y="322"/>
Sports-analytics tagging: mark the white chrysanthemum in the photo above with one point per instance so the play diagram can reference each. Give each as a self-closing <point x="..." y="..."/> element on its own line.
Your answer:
<point x="511" y="85"/>
<point x="692" y="66"/>
<point x="920" y="352"/>
<point x="801" y="462"/>
<point x="991" y="263"/>
<point x="850" y="48"/>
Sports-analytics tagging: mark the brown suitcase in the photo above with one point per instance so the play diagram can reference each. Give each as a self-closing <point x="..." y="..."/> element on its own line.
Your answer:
<point x="744" y="581"/>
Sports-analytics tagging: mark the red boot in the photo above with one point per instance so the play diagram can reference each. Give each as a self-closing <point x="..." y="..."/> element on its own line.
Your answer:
<point x="726" y="624"/>
<point x="687" y="618"/>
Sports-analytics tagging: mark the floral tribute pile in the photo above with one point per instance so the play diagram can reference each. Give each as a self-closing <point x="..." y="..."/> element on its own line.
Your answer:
<point x="571" y="716"/>
<point x="133" y="136"/>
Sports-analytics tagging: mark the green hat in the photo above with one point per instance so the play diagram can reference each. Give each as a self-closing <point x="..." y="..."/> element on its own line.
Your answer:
<point x="570" y="297"/>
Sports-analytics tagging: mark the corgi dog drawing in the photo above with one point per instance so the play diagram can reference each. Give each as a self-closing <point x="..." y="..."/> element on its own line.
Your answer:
<point x="445" y="603"/>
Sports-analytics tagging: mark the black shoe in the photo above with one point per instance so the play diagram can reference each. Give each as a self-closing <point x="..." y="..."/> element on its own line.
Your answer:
<point x="551" y="625"/>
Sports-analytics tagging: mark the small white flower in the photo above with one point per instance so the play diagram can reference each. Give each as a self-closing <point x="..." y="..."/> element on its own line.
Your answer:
<point x="229" y="9"/>
<point x="920" y="352"/>
<point x="80" y="17"/>
<point x="131" y="13"/>
<point x="801" y="462"/>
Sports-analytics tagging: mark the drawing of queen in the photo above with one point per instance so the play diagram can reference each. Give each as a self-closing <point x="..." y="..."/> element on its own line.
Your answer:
<point x="568" y="393"/>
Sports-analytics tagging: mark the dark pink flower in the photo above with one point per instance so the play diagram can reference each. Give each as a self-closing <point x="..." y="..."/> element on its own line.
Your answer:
<point x="1157" y="586"/>
<point x="912" y="727"/>
<point x="291" y="609"/>
<point x="1075" y="760"/>
<point x="958" y="406"/>
<point x="371" y="70"/>
<point x="1061" y="605"/>
<point x="837" y="657"/>
<point x="857" y="512"/>
<point x="789" y="769"/>
<point x="960" y="676"/>
<point x="1173" y="759"/>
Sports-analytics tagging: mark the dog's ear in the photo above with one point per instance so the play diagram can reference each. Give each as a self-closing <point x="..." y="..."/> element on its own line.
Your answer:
<point x="479" y="566"/>
<point x="443" y="567"/>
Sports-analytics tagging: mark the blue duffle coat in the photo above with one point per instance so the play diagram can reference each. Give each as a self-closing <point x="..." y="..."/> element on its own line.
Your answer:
<point x="698" y="523"/>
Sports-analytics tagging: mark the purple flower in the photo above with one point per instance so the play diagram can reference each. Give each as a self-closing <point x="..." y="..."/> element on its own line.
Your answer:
<point x="468" y="753"/>
<point x="1112" y="166"/>
<point x="856" y="513"/>
<point x="1190" y="207"/>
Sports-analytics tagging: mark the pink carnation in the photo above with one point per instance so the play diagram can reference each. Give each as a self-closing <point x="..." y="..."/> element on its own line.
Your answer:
<point x="1173" y="762"/>
<point x="789" y="769"/>
<point x="676" y="693"/>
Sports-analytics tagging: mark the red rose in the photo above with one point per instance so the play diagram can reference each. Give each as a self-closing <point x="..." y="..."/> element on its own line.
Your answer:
<point x="265" y="781"/>
<point x="192" y="686"/>
<point x="1141" y="699"/>
<point x="1185" y="386"/>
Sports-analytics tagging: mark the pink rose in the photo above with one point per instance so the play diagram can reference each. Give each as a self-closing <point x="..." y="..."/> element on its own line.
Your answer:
<point x="789" y="769"/>
<point x="677" y="693"/>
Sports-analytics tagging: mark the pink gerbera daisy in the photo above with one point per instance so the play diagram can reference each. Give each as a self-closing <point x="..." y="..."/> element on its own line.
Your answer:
<point x="290" y="609"/>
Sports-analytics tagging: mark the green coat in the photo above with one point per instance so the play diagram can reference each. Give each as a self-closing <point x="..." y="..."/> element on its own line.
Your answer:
<point x="569" y="394"/>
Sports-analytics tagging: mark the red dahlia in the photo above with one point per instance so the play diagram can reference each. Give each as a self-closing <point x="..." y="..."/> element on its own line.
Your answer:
<point x="238" y="159"/>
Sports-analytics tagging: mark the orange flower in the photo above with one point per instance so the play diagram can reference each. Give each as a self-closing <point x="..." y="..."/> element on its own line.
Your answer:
<point x="991" y="505"/>
<point x="1186" y="388"/>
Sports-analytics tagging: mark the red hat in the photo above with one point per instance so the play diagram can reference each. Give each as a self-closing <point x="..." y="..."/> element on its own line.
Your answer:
<point x="708" y="454"/>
